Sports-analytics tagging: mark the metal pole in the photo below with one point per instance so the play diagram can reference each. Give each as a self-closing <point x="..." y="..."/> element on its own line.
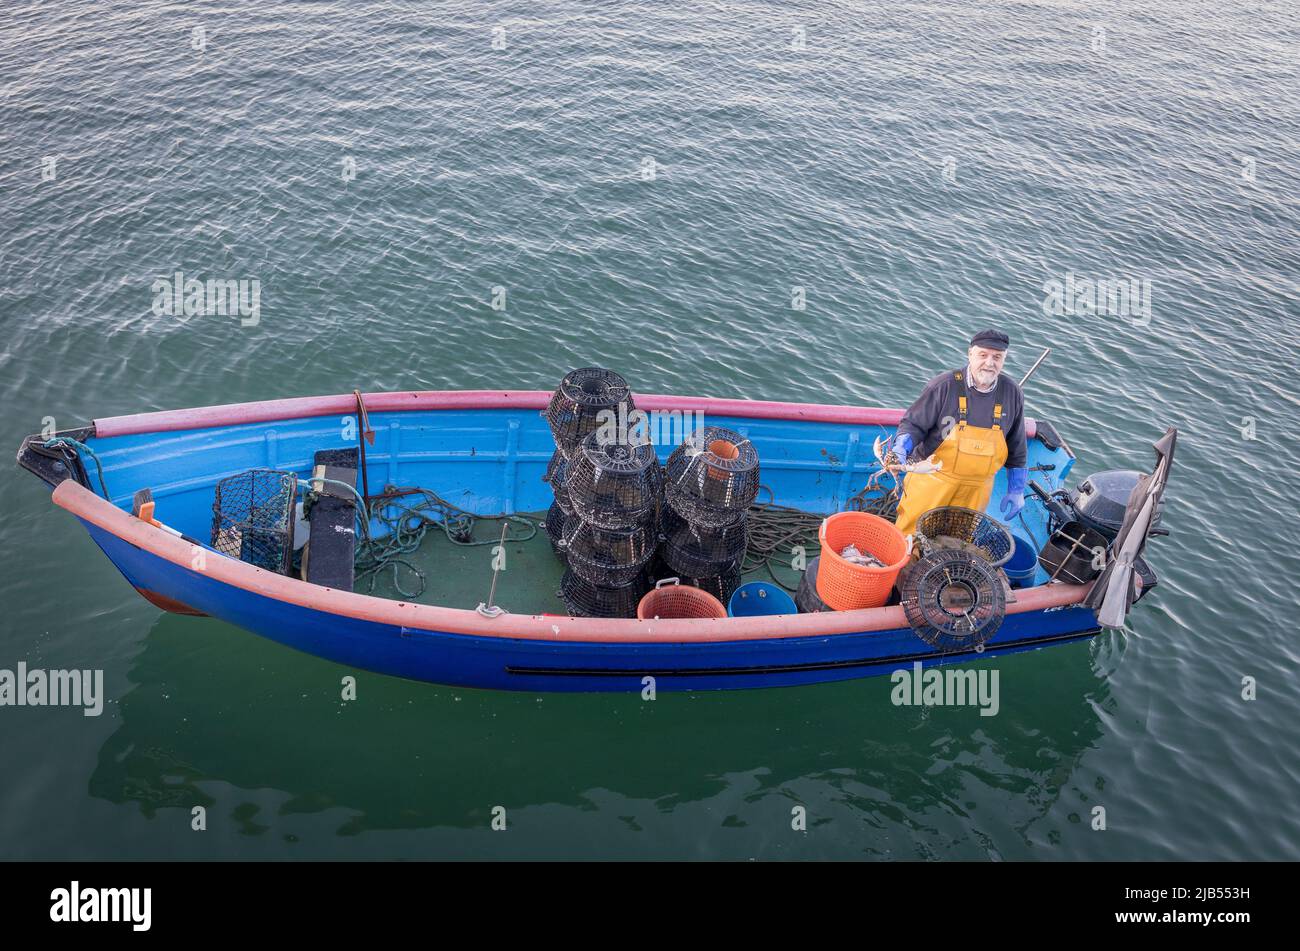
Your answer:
<point x="489" y="609"/>
<point x="1041" y="357"/>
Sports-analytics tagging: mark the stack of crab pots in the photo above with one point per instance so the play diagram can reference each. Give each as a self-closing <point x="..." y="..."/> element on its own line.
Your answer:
<point x="710" y="482"/>
<point x="607" y="492"/>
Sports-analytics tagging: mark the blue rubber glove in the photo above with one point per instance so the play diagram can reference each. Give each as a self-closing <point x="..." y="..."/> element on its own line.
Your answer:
<point x="1014" y="500"/>
<point x="902" y="446"/>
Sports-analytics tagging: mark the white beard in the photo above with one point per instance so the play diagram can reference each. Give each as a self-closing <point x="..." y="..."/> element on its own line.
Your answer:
<point x="984" y="380"/>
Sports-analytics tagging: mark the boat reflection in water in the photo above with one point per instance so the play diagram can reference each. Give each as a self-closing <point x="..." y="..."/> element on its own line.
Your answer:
<point x="259" y="736"/>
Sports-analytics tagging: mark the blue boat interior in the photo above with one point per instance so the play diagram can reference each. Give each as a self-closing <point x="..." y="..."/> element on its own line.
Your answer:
<point x="490" y="462"/>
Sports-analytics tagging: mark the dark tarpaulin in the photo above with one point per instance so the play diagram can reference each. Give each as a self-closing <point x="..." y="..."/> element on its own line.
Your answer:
<point x="1116" y="587"/>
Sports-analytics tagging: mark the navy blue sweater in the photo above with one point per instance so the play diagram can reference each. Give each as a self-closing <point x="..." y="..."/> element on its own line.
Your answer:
<point x="935" y="410"/>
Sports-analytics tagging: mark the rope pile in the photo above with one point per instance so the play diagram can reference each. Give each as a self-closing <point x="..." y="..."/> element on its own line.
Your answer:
<point x="775" y="531"/>
<point x="407" y="515"/>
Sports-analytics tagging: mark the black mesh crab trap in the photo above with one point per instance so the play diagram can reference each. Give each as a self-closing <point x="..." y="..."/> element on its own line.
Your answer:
<point x="955" y="527"/>
<point x="701" y="551"/>
<point x="555" y="468"/>
<point x="556" y="472"/>
<point x="253" y="518"/>
<point x="554" y="526"/>
<point x="584" y="599"/>
<point x="607" y="557"/>
<point x="712" y="477"/>
<point x="953" y="599"/>
<point x="576" y="405"/>
<point x="614" y="485"/>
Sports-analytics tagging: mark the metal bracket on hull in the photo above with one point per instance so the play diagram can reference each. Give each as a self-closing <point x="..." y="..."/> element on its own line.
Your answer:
<point x="52" y="466"/>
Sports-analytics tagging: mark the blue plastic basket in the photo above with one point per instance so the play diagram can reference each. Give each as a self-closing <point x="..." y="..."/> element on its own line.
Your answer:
<point x="758" y="598"/>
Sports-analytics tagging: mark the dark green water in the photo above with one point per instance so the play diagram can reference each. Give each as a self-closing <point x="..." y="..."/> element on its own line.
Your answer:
<point x="1168" y="154"/>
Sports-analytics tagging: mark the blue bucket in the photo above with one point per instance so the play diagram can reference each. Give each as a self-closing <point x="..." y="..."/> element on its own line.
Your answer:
<point x="1022" y="564"/>
<point x="758" y="598"/>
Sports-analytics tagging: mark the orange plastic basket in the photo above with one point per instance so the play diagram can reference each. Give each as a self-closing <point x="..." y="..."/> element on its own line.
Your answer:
<point x="845" y="586"/>
<point x="678" y="601"/>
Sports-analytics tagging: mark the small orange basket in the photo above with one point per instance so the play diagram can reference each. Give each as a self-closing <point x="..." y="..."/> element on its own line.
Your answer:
<point x="678" y="601"/>
<point x="845" y="586"/>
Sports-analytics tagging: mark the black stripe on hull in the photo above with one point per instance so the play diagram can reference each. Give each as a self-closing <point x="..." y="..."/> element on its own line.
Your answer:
<point x="897" y="659"/>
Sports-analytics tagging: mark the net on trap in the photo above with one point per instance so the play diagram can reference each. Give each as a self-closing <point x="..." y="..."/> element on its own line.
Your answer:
<point x="614" y="485"/>
<point x="956" y="527"/>
<point x="556" y="472"/>
<point x="701" y="551"/>
<point x="577" y="403"/>
<point x="607" y="557"/>
<point x="953" y="600"/>
<point x="712" y="477"/>
<point x="584" y="599"/>
<point x="253" y="518"/>
<point x="721" y="587"/>
<point x="554" y="527"/>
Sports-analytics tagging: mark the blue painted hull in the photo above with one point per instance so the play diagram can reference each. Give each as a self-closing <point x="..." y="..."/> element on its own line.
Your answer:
<point x="532" y="665"/>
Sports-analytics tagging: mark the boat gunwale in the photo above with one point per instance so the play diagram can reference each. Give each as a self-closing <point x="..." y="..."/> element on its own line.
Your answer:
<point x="265" y="411"/>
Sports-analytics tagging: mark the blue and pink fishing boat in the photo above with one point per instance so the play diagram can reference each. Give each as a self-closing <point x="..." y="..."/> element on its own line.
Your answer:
<point x="487" y="451"/>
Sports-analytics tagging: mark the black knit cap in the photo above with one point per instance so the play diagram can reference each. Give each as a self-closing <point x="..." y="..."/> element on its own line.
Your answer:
<point x="991" y="339"/>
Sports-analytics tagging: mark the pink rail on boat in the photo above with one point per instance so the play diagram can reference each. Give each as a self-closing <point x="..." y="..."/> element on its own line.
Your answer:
<point x="232" y="414"/>
<point x="86" y="505"/>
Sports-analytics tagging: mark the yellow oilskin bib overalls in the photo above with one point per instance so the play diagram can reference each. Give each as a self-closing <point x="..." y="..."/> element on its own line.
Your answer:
<point x="971" y="457"/>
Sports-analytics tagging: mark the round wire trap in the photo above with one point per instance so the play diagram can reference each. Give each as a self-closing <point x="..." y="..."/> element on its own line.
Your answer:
<point x="554" y="526"/>
<point x="613" y="485"/>
<point x="607" y="557"/>
<point x="955" y="527"/>
<point x="712" y="477"/>
<point x="577" y="403"/>
<point x="584" y="599"/>
<point x="701" y="551"/>
<point x="953" y="600"/>
<point x="556" y="472"/>
<point x="721" y="587"/>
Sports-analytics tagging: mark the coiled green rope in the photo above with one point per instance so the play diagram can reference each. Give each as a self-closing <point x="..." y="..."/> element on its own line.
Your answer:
<point x="406" y="523"/>
<point x="775" y="531"/>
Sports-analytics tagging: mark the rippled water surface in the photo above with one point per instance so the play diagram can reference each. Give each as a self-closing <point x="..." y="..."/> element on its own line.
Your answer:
<point x="919" y="169"/>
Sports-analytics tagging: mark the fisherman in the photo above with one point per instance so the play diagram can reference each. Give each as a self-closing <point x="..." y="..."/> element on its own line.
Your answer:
<point x="970" y="423"/>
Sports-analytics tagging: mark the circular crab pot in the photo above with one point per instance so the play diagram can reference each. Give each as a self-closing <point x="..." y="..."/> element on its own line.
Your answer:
<point x="953" y="526"/>
<point x="554" y="527"/>
<point x="614" y="485"/>
<point x="557" y="471"/>
<point x="712" y="477"/>
<point x="701" y="551"/>
<point x="720" y="586"/>
<point x="953" y="600"/>
<point x="555" y="468"/>
<point x="608" y="557"/>
<point x="576" y="405"/>
<point x="671" y="599"/>
<point x="584" y="599"/>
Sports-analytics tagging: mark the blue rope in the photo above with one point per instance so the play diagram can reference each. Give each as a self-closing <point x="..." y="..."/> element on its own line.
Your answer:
<point x="59" y="442"/>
